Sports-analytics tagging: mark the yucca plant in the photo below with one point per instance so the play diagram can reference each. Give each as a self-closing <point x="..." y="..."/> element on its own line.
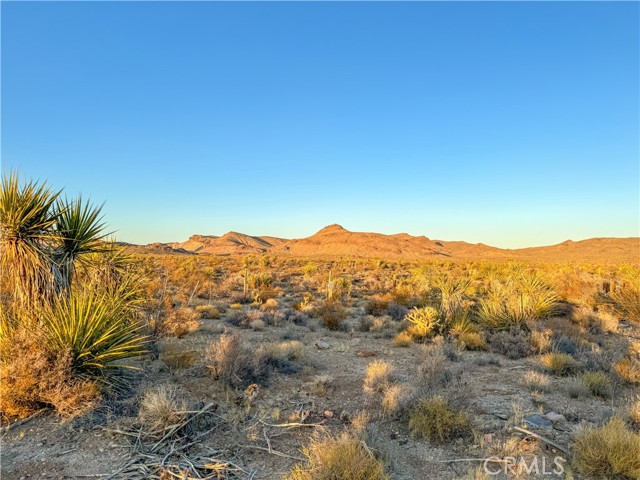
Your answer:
<point x="78" y="231"/>
<point x="516" y="301"/>
<point x="27" y="218"/>
<point x="96" y="326"/>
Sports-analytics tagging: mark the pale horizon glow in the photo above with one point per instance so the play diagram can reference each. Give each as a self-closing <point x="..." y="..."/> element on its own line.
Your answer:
<point x="513" y="124"/>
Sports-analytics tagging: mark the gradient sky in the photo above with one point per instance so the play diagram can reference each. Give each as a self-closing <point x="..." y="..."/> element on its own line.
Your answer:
<point x="512" y="124"/>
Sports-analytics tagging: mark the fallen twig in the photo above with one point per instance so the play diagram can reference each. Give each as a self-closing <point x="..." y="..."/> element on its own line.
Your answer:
<point x="542" y="439"/>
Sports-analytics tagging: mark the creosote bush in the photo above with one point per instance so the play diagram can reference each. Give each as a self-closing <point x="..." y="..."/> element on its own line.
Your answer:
<point x="609" y="452"/>
<point x="331" y="313"/>
<point x="239" y="366"/>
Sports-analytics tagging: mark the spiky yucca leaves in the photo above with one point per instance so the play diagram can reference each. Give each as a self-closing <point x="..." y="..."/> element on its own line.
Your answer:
<point x="79" y="231"/>
<point x="97" y="327"/>
<point x="516" y="300"/>
<point x="27" y="218"/>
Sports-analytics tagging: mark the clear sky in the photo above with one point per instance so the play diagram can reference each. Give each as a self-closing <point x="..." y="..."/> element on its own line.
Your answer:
<point x="512" y="124"/>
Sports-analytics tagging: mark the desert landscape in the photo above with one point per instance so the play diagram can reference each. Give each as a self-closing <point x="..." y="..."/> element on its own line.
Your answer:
<point x="343" y="355"/>
<point x="431" y="265"/>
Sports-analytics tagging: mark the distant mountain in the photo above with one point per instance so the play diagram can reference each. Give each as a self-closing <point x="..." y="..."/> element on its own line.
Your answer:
<point x="336" y="241"/>
<point x="228" y="244"/>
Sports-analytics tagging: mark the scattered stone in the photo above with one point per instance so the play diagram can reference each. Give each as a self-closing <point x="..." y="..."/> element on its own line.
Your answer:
<point x="345" y="416"/>
<point x="366" y="353"/>
<point x="328" y="413"/>
<point x="538" y="421"/>
<point x="502" y="416"/>
<point x="322" y="345"/>
<point x="555" y="417"/>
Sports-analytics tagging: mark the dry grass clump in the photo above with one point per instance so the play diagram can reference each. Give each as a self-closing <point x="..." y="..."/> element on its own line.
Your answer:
<point x="345" y="457"/>
<point x="402" y="339"/>
<point x="208" y="311"/>
<point x="472" y="341"/>
<point x="542" y="340"/>
<point x="288" y="350"/>
<point x="239" y="366"/>
<point x="628" y="369"/>
<point x="160" y="409"/>
<point x="378" y="377"/>
<point x="180" y="322"/>
<point x="536" y="381"/>
<point x="176" y="358"/>
<point x="598" y="383"/>
<point x="608" y="452"/>
<point x="633" y="411"/>
<point x="394" y="399"/>
<point x="331" y="313"/>
<point x="432" y="419"/>
<point x="559" y="363"/>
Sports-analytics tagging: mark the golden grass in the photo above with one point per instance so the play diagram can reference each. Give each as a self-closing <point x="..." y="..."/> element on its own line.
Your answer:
<point x="559" y="363"/>
<point x="609" y="452"/>
<point x="598" y="383"/>
<point x="345" y="457"/>
<point x="432" y="419"/>
<point x="378" y="377"/>
<point x="628" y="369"/>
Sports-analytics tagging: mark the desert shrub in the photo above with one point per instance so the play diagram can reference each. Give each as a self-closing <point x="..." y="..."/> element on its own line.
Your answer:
<point x="332" y="314"/>
<point x="33" y="376"/>
<point x="180" y="322"/>
<point x="628" y="369"/>
<point x="472" y="341"/>
<point x="598" y="383"/>
<point x="177" y="359"/>
<point x="239" y="366"/>
<point x="402" y="339"/>
<point x="633" y="411"/>
<point x="378" y="376"/>
<point x="370" y="323"/>
<point x="208" y="311"/>
<point x="576" y="388"/>
<point x="425" y="322"/>
<point x="536" y="381"/>
<point x="245" y="318"/>
<point x="514" y="343"/>
<point x="396" y="311"/>
<point x="345" y="457"/>
<point x="541" y="340"/>
<point x="608" y="452"/>
<point x="627" y="298"/>
<point x="432" y="419"/>
<point x="516" y="300"/>
<point x="394" y="398"/>
<point x="160" y="409"/>
<point x="377" y="305"/>
<point x="559" y="363"/>
<point x="289" y="350"/>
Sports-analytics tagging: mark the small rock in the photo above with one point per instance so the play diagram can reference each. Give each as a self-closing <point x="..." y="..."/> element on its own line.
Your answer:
<point x="538" y="421"/>
<point x="502" y="416"/>
<point x="328" y="413"/>
<point x="403" y="442"/>
<point x="555" y="417"/>
<point x="488" y="438"/>
<point x="322" y="345"/>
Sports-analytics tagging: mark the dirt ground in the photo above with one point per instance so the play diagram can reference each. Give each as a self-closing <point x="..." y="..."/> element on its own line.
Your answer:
<point x="94" y="446"/>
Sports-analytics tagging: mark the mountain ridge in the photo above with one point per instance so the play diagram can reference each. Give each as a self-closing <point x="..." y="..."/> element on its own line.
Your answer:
<point x="336" y="241"/>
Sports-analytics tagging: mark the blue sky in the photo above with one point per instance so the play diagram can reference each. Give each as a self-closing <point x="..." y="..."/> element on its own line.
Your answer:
<point x="512" y="124"/>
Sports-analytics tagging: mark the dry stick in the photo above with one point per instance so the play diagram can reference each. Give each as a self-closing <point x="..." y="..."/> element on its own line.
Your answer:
<point x="23" y="421"/>
<point x="542" y="439"/>
<point x="274" y="452"/>
<point x="180" y="425"/>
